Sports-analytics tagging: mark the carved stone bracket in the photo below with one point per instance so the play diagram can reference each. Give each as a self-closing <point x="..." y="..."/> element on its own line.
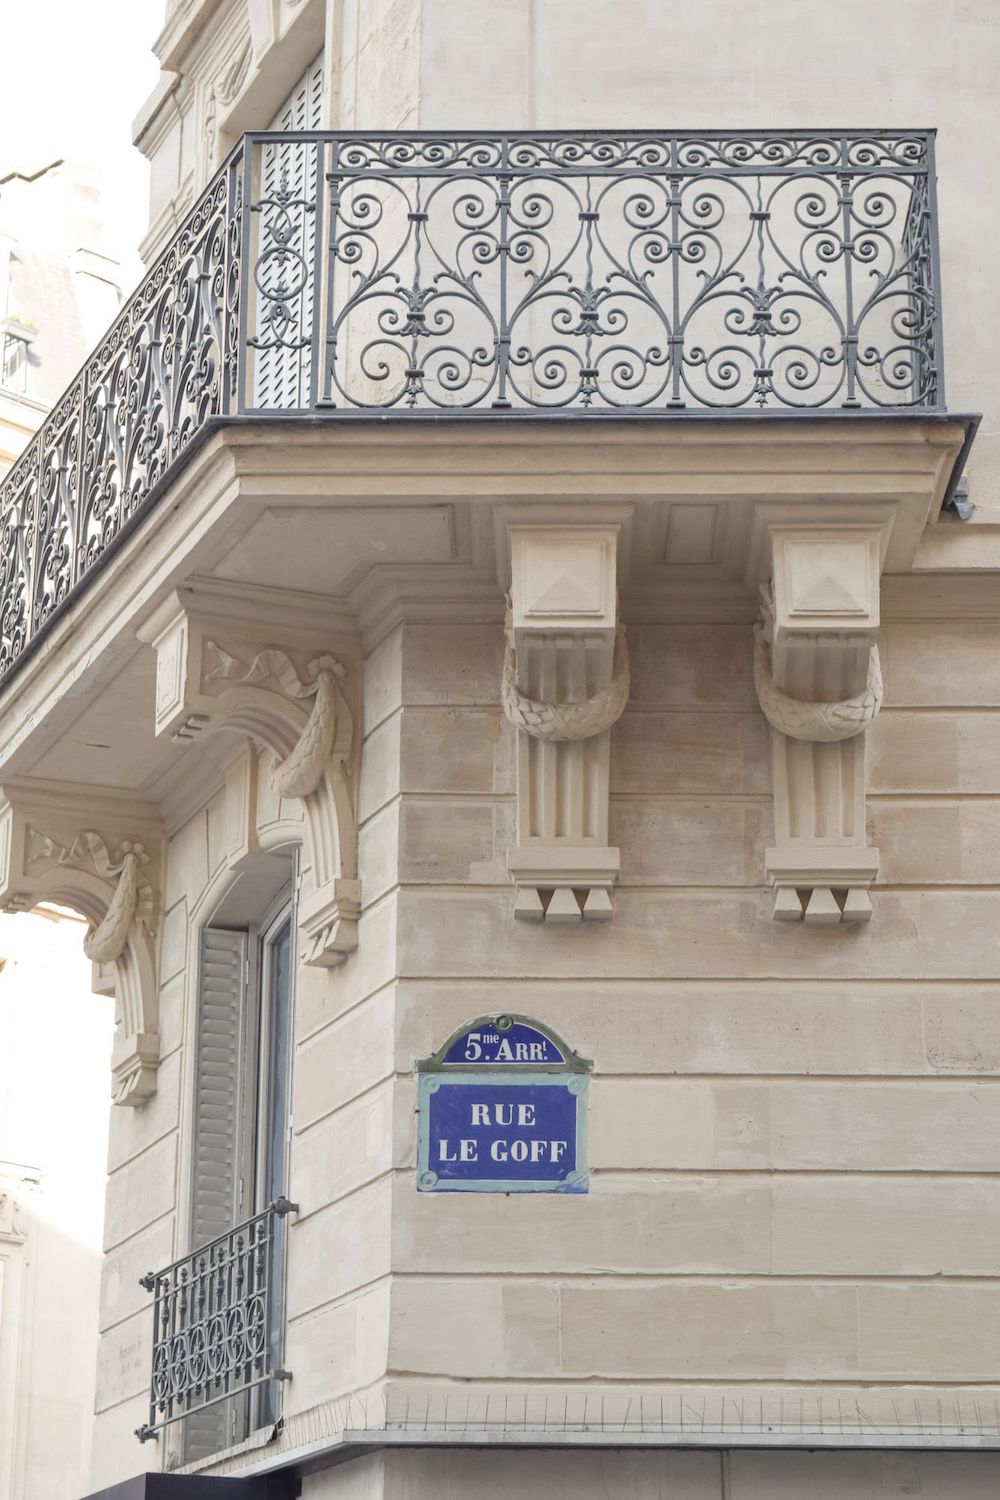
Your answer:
<point x="103" y="858"/>
<point x="565" y="683"/>
<point x="222" y="672"/>
<point x="819" y="684"/>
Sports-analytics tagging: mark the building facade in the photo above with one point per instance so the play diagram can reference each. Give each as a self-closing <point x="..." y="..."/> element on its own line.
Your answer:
<point x="500" y="645"/>
<point x="58" y="292"/>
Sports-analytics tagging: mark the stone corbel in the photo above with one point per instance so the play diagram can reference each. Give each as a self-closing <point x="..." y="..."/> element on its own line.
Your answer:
<point x="103" y="859"/>
<point x="289" y="695"/>
<point x="819" y="684"/>
<point x="565" y="683"/>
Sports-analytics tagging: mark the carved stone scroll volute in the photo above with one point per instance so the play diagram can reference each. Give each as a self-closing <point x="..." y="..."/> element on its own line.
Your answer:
<point x="565" y="683"/>
<point x="103" y="859"/>
<point x="219" y="671"/>
<point x="819" y="683"/>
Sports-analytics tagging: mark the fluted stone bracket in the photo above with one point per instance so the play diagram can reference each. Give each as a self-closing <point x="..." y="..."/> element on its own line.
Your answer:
<point x="565" y="683"/>
<point x="819" y="684"/>
<point x="102" y="858"/>
<point x="285" y="690"/>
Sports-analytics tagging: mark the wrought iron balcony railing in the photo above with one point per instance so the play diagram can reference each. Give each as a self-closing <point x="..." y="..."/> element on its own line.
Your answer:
<point x="215" y="1320"/>
<point x="547" y="274"/>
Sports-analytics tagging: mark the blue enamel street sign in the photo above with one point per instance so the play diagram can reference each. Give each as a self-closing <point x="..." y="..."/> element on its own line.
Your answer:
<point x="519" y="1042"/>
<point x="502" y="1109"/>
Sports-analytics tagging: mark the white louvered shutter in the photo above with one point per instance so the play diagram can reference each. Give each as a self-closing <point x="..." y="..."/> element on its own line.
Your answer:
<point x="218" y="1136"/>
<point x="218" y="1089"/>
<point x="303" y="109"/>
<point x="281" y="375"/>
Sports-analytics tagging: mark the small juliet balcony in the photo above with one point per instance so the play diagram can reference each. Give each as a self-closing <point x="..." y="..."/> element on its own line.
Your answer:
<point x="217" y="1330"/>
<point x="572" y="276"/>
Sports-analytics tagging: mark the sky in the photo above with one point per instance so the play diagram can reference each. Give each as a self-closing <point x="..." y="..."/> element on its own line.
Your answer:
<point x="76" y="73"/>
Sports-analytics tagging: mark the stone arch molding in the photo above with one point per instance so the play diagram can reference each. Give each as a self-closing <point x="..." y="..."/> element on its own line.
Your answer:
<point x="102" y="858"/>
<point x="222" y="668"/>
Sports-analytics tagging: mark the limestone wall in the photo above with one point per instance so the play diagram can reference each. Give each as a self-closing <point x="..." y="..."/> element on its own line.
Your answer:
<point x="792" y="1129"/>
<point x="789" y="1128"/>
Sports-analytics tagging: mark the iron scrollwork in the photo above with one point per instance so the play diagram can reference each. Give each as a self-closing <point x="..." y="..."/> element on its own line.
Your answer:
<point x="160" y="373"/>
<point x="214" y="1321"/>
<point x="538" y="273"/>
<point x="638" y="273"/>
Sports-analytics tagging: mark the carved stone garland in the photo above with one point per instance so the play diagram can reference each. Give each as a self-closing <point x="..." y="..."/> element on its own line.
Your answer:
<point x="291" y="700"/>
<point x="819" y="685"/>
<point x="49" y="853"/>
<point x="565" y="683"/>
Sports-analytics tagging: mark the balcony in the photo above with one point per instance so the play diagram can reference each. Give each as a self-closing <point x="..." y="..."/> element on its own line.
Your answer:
<point x="579" y="276"/>
<point x="216" y="1314"/>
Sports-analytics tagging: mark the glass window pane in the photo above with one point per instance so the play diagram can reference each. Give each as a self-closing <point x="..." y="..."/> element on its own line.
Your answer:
<point x="277" y="1027"/>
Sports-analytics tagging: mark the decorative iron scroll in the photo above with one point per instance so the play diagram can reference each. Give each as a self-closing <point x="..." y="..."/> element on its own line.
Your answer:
<point x="214" y="1321"/>
<point x="646" y="272"/>
<point x="554" y="274"/>
<point x="166" y="367"/>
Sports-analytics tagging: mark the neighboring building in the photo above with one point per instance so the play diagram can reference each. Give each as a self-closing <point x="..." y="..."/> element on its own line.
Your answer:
<point x="493" y="649"/>
<point x="55" y="1043"/>
<point x="58" y="292"/>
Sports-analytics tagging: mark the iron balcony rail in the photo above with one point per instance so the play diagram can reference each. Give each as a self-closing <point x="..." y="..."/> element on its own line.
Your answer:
<point x="215" y="1320"/>
<point x="546" y="274"/>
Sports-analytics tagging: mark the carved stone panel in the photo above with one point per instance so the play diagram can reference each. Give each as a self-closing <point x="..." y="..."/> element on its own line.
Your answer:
<point x="819" y="684"/>
<point x="565" y="683"/>
<point x="287" y="693"/>
<point x="104" y="859"/>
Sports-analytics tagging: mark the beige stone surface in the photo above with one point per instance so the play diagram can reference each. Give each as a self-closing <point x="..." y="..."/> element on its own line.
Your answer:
<point x="763" y="1026"/>
<point x="885" y="1226"/>
<point x="116" y="1454"/>
<point x="777" y="1329"/>
<point x="121" y="1294"/>
<point x="928" y="1332"/>
<point x="136" y="1130"/>
<point x="664" y="1475"/>
<point x="475" y="1328"/>
<point x="684" y="842"/>
<point x="676" y="753"/>
<point x="686" y="667"/>
<point x="881" y="1476"/>
<point x="346" y="1058"/>
<point x="917" y="935"/>
<point x="455" y="750"/>
<point x="690" y="1225"/>
<point x="961" y="1029"/>
<point x="587" y="1476"/>
<point x="142" y="1190"/>
<point x="847" y="1126"/>
<point x="344" y="1150"/>
<point x="339" y="1349"/>
<point x="934" y="752"/>
<point x="123" y="1360"/>
<point x="378" y="782"/>
<point x="938" y="843"/>
<point x="383" y="677"/>
<point x="360" y="1227"/>
<point x="378" y="852"/>
<point x="953" y="666"/>
<point x="454" y="843"/>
